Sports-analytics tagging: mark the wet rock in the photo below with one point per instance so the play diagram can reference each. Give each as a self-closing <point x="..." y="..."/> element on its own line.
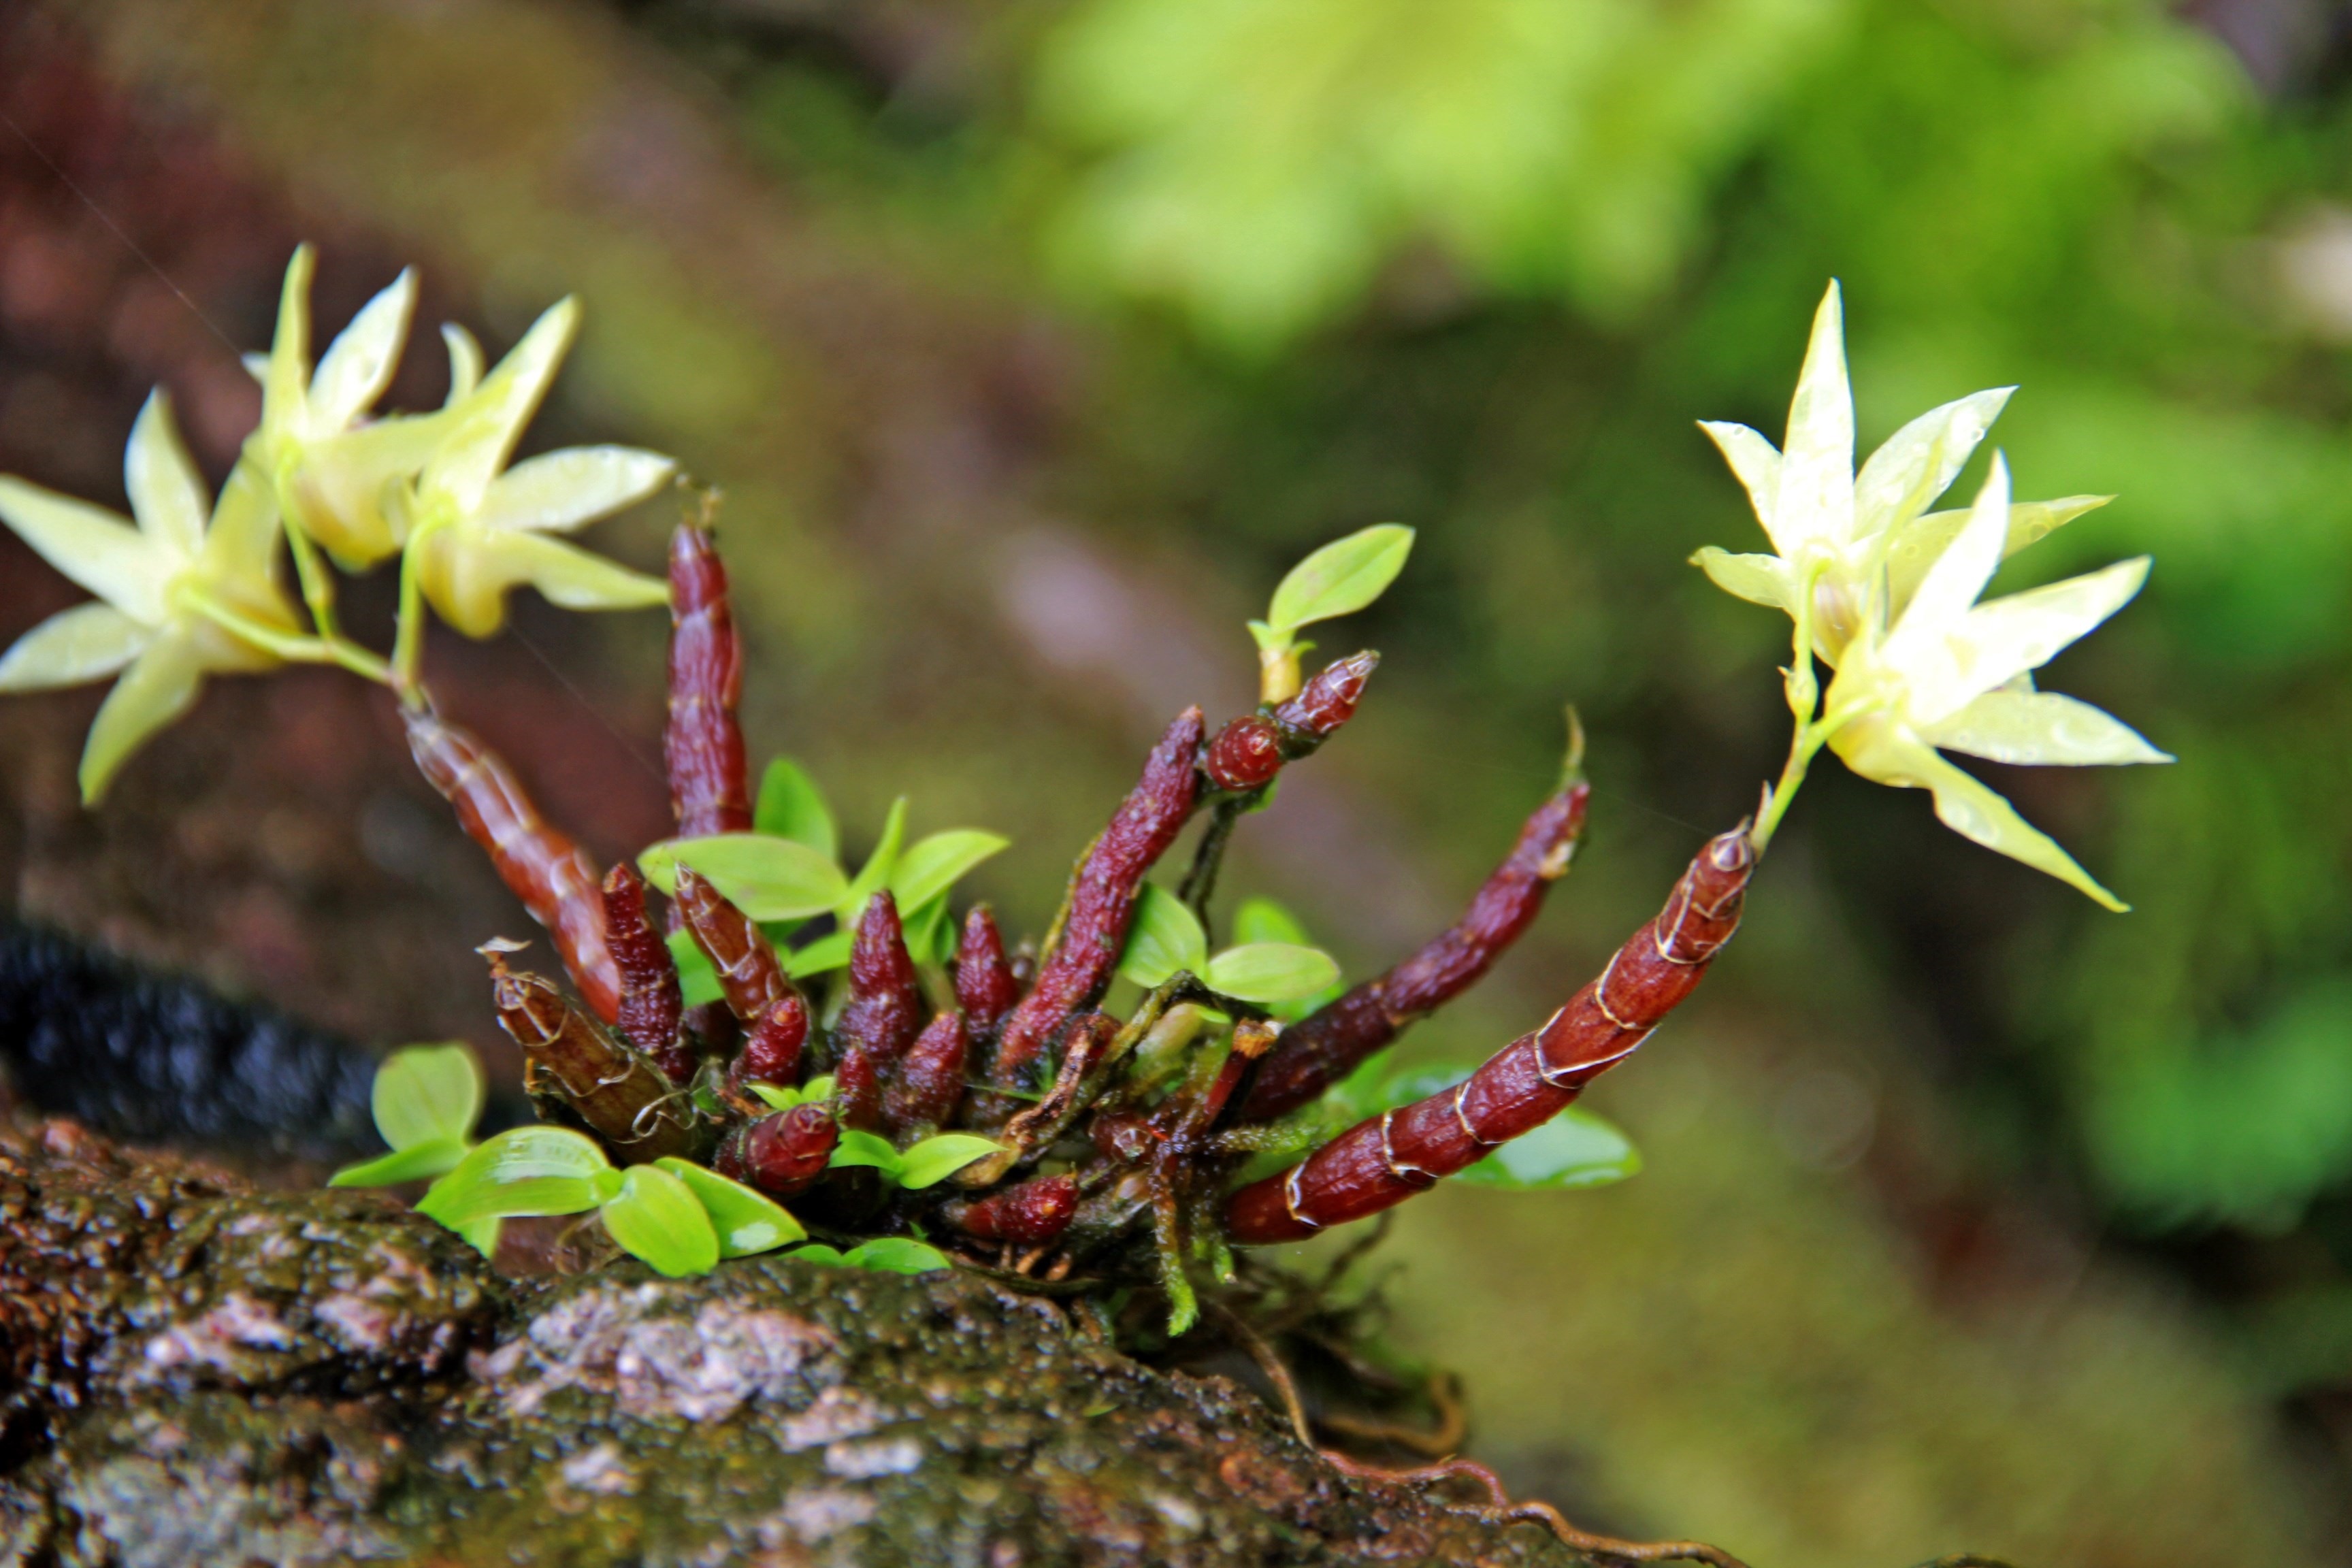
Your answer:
<point x="201" y="1373"/>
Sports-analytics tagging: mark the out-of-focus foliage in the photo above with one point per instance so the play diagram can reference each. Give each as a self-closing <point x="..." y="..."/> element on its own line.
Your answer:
<point x="1258" y="161"/>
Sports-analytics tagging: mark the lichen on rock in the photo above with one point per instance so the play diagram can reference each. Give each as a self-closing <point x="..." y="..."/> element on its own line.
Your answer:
<point x="199" y="1373"/>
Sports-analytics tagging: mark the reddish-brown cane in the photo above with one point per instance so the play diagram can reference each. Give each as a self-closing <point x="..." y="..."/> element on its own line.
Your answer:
<point x="929" y="1082"/>
<point x="749" y="975"/>
<point x="1324" y="703"/>
<point x="783" y="1153"/>
<point x="651" y="1007"/>
<point x="615" y="1090"/>
<point x="1383" y="1161"/>
<point x="1324" y="1046"/>
<point x="703" y="745"/>
<point x="553" y="878"/>
<point x="1102" y="900"/>
<point x="1245" y="754"/>
<point x="985" y="988"/>
<point x="1029" y="1214"/>
<point x="772" y="1053"/>
<point x="884" y="1015"/>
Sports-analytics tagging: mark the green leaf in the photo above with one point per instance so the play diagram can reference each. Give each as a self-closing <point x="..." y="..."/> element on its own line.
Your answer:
<point x="792" y="806"/>
<point x="1165" y="938"/>
<point x="698" y="980"/>
<point x="768" y="878"/>
<point x="427" y="1094"/>
<point x="931" y="866"/>
<point x="746" y="1221"/>
<point x="482" y="1234"/>
<point x="784" y="1097"/>
<point x="1574" y="1149"/>
<point x="821" y="956"/>
<point x="415" y="1164"/>
<point x="895" y="1254"/>
<point x="1341" y="578"/>
<point x="874" y="875"/>
<point x="656" y="1216"/>
<point x="930" y="935"/>
<point x="1271" y="971"/>
<point x="818" y="1253"/>
<point x="1261" y="919"/>
<point x="858" y="1148"/>
<point x="522" y="1171"/>
<point x="934" y="1159"/>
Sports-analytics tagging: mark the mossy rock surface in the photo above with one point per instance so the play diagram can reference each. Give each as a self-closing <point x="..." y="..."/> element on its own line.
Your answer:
<point x="198" y="1373"/>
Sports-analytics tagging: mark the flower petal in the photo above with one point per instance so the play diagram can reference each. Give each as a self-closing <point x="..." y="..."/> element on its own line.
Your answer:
<point x="560" y="491"/>
<point x="1758" y="579"/>
<point x="88" y="642"/>
<point x="358" y="365"/>
<point x="284" y="400"/>
<point x="1915" y="546"/>
<point x="2040" y="729"/>
<point x="345" y="480"/>
<point x="157" y="689"/>
<point x="94" y="547"/>
<point x="491" y="420"/>
<point x="1923" y="650"/>
<point x="241" y="545"/>
<point x="574" y="578"/>
<point x="167" y="493"/>
<point x="467" y="570"/>
<point x="1919" y="462"/>
<point x="1815" y="500"/>
<point x="1999" y="641"/>
<point x="1754" y="460"/>
<point x="465" y="363"/>
<point x="1972" y="809"/>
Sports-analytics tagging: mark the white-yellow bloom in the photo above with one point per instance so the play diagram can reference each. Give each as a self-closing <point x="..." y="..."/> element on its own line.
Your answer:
<point x="478" y="531"/>
<point x="1856" y="535"/>
<point x="329" y="463"/>
<point x="1948" y="672"/>
<point x="149" y="580"/>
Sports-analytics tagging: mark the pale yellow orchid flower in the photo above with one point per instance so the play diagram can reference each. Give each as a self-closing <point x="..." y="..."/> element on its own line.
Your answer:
<point x="475" y="531"/>
<point x="1950" y="673"/>
<point x="169" y="591"/>
<point x="1856" y="537"/>
<point x="330" y="463"/>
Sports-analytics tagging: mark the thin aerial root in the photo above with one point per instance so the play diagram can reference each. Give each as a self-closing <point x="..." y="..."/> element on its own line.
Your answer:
<point x="1498" y="1508"/>
<point x="1445" y="1390"/>
<point x="1270" y="1362"/>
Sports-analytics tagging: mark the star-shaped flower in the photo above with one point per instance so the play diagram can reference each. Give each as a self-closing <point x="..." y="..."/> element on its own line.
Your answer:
<point x="475" y="531"/>
<point x="154" y="583"/>
<point x="1951" y="673"/>
<point x="1841" y="529"/>
<point x="327" y="461"/>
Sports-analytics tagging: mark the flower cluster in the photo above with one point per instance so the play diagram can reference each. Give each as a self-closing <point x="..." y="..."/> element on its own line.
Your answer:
<point x="1885" y="593"/>
<point x="194" y="588"/>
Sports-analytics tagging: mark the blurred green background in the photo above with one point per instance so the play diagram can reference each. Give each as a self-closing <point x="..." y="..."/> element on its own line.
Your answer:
<point x="1032" y="341"/>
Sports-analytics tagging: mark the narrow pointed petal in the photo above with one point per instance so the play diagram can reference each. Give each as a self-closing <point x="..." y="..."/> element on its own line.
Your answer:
<point x="94" y="547"/>
<point x="1972" y="809"/>
<point x="1915" y="546"/>
<point x="241" y="545"/>
<point x="467" y="573"/>
<point x="346" y="484"/>
<point x="2041" y="729"/>
<point x="158" y="687"/>
<point x="256" y="367"/>
<point x="1815" y="501"/>
<point x="1919" y="462"/>
<point x="465" y="363"/>
<point x="285" y="398"/>
<point x="1999" y="641"/>
<point x="358" y="365"/>
<point x="1758" y="579"/>
<point x="1755" y="462"/>
<point x="88" y="642"/>
<point x="167" y="493"/>
<point x="491" y="419"/>
<point x="1923" y="645"/>
<point x="563" y="491"/>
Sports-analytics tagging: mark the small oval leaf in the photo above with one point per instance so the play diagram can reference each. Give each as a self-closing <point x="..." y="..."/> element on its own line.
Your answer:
<point x="1271" y="971"/>
<point x="934" y="1159"/>
<point x="1260" y="919"/>
<point x="417" y="1162"/>
<point x="698" y="982"/>
<point x="427" y="1094"/>
<point x="1574" y="1149"/>
<point x="769" y="879"/>
<point x="858" y="1148"/>
<point x="1341" y="578"/>
<point x="1164" y="938"/>
<point x="930" y="934"/>
<point x="818" y="1253"/>
<point x="656" y="1216"/>
<point x="792" y="806"/>
<point x="522" y="1171"/>
<point x="933" y="865"/>
<point x="874" y="875"/>
<point x="895" y="1254"/>
<point x="746" y="1221"/>
<point x="823" y="956"/>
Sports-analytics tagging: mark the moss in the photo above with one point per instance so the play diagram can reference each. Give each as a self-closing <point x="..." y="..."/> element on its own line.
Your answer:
<point x="202" y="1373"/>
